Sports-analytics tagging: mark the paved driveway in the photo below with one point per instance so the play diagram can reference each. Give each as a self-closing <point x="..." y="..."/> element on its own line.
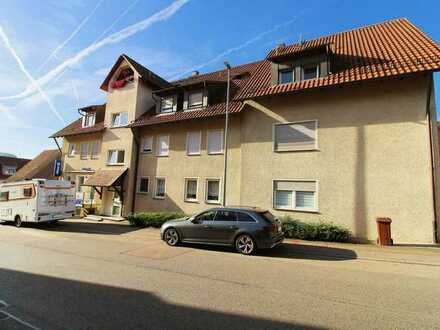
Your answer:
<point x="83" y="275"/>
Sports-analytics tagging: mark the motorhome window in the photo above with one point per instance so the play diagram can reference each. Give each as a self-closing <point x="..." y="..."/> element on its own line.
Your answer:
<point x="4" y="196"/>
<point x="28" y="192"/>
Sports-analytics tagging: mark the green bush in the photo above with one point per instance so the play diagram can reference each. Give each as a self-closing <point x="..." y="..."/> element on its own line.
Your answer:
<point x="321" y="231"/>
<point x="153" y="219"/>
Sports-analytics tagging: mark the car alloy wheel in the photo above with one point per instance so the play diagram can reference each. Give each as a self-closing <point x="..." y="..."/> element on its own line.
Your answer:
<point x="171" y="237"/>
<point x="245" y="244"/>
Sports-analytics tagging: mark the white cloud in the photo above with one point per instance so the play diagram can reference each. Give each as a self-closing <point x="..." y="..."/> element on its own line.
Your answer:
<point x="162" y="15"/>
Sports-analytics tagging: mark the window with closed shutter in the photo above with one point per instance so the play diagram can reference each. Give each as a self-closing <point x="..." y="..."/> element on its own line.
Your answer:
<point x="215" y="142"/>
<point x="193" y="143"/>
<point x="295" y="195"/>
<point x="295" y="136"/>
<point x="195" y="99"/>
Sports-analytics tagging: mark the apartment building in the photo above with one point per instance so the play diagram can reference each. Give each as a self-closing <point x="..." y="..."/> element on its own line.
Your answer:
<point x="341" y="128"/>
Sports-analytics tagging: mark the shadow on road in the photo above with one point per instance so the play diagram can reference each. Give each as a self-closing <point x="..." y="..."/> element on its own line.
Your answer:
<point x="291" y="251"/>
<point x="52" y="303"/>
<point x="79" y="226"/>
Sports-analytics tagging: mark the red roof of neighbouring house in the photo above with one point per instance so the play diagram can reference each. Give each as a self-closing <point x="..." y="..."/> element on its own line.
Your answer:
<point x="388" y="49"/>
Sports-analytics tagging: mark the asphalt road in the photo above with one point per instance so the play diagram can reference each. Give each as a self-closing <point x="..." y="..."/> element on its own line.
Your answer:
<point x="79" y="275"/>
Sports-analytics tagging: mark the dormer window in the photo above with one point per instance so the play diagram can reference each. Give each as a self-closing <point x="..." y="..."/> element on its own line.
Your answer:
<point x="195" y="99"/>
<point x="167" y="104"/>
<point x="310" y="72"/>
<point x="285" y="76"/>
<point x="89" y="119"/>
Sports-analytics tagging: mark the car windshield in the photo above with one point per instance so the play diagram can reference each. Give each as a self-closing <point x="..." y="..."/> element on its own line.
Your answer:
<point x="269" y="217"/>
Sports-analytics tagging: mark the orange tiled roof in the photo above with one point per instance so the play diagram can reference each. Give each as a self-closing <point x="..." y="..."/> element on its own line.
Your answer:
<point x="382" y="50"/>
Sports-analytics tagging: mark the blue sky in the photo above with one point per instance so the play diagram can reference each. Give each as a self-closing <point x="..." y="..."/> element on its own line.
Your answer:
<point x="63" y="47"/>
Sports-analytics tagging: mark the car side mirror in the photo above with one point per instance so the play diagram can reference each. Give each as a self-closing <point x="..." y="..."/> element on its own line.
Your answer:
<point x="195" y="220"/>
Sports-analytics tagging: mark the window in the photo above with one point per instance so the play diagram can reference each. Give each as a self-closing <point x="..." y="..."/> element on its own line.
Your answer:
<point x="72" y="150"/>
<point x="89" y="119"/>
<point x="215" y="142"/>
<point x="244" y="217"/>
<point x="213" y="191"/>
<point x="195" y="99"/>
<point x="295" y="195"/>
<point x="310" y="72"/>
<point x="94" y="150"/>
<point x="115" y="157"/>
<point x="167" y="104"/>
<point x="225" y="216"/>
<point x="119" y="119"/>
<point x="193" y="140"/>
<point x="4" y="196"/>
<point x="206" y="216"/>
<point x="285" y="76"/>
<point x="9" y="170"/>
<point x="163" y="145"/>
<point x="298" y="136"/>
<point x="84" y="150"/>
<point x="147" y="145"/>
<point x="159" y="192"/>
<point x="28" y="192"/>
<point x="144" y="185"/>
<point x="191" y="190"/>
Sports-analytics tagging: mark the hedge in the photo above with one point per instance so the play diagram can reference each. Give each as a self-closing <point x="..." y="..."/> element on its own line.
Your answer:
<point x="153" y="219"/>
<point x="321" y="231"/>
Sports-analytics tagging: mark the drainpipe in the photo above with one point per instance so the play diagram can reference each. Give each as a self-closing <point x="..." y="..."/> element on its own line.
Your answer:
<point x="136" y="165"/>
<point x="225" y="166"/>
<point x="433" y="162"/>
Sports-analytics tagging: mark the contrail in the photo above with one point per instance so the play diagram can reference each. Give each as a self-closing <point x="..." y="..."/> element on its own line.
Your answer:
<point x="117" y="20"/>
<point x="27" y="74"/>
<point x="72" y="35"/>
<point x="116" y="37"/>
<point x="222" y="55"/>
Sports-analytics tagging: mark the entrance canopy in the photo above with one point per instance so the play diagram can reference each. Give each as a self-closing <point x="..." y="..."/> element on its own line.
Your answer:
<point x="105" y="178"/>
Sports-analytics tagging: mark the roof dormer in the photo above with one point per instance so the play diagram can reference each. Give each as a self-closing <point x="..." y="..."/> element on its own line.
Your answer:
<point x="299" y="62"/>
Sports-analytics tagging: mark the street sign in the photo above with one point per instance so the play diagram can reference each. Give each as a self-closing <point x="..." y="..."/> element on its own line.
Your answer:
<point x="57" y="168"/>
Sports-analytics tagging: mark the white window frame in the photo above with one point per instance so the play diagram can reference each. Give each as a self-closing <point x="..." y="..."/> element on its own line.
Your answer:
<point x="158" y="154"/>
<point x="71" y="152"/>
<point x="139" y="185"/>
<point x="167" y="110"/>
<point x="307" y="67"/>
<point x="115" y="164"/>
<point x="196" y="105"/>
<point x="151" y="139"/>
<point x="200" y="143"/>
<point x="294" y="208"/>
<point x="185" y="189"/>
<point x="222" y="142"/>
<point x="86" y="121"/>
<point x="92" y="155"/>
<point x="86" y="155"/>
<point x="164" y="187"/>
<point x="118" y="115"/>
<point x="291" y="123"/>
<point x="207" y="201"/>
<point x="6" y="168"/>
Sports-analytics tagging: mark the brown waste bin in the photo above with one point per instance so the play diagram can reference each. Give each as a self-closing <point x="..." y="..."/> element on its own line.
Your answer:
<point x="384" y="231"/>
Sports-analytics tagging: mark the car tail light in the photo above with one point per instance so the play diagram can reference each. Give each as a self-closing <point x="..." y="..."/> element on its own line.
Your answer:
<point x="271" y="228"/>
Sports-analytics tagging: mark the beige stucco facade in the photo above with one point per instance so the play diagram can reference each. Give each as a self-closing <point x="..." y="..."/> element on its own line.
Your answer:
<point x="134" y="98"/>
<point x="373" y="158"/>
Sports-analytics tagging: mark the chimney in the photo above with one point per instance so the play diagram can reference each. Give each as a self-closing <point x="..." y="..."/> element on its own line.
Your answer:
<point x="195" y="73"/>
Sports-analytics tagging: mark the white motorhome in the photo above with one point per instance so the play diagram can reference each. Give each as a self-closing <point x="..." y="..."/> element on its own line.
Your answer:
<point x="37" y="200"/>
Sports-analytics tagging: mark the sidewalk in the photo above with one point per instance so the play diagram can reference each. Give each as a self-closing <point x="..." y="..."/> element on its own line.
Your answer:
<point x="422" y="255"/>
